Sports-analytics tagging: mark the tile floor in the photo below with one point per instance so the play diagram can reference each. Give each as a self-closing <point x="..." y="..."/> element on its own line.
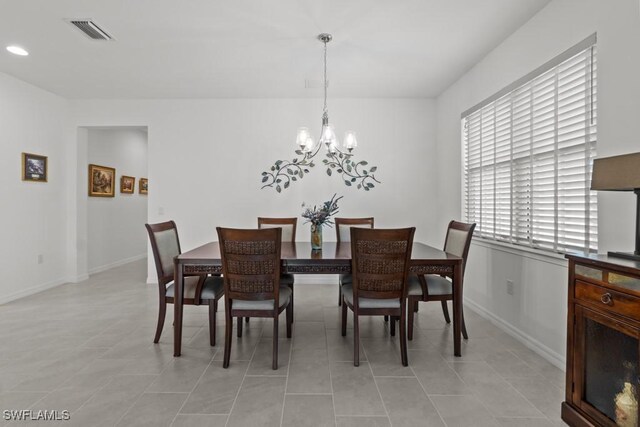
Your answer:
<point x="87" y="348"/>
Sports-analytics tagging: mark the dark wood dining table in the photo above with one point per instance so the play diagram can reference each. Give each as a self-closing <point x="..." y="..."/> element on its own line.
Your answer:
<point x="334" y="258"/>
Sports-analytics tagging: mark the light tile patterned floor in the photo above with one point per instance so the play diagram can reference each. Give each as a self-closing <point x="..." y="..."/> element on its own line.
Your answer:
<point x="87" y="348"/>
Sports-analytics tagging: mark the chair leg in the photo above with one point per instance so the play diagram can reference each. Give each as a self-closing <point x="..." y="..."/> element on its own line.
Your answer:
<point x="416" y="306"/>
<point x="344" y="319"/>
<point x="274" y="365"/>
<point x="445" y="311"/>
<point x="403" y="333"/>
<point x="356" y="339"/>
<point x="386" y="318"/>
<point x="289" y="318"/>
<point x="291" y="302"/>
<point x="464" y="327"/>
<point x="161" y="315"/>
<point x="246" y="319"/>
<point x="213" y="308"/>
<point x="239" y="327"/>
<point x="228" y="331"/>
<point x="411" y="314"/>
<point x="339" y="294"/>
<point x="392" y="326"/>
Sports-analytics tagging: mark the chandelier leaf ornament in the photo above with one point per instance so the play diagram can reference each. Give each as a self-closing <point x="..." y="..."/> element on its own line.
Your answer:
<point x="354" y="173"/>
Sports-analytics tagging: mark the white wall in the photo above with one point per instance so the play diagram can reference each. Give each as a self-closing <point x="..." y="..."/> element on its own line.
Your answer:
<point x="115" y="225"/>
<point x="537" y="311"/>
<point x="206" y="157"/>
<point x="32" y="214"/>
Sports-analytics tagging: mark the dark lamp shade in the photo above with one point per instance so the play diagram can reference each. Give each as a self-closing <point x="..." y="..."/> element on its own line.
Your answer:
<point x="617" y="173"/>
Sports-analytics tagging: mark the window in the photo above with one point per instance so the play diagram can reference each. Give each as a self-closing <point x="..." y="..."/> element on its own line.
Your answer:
<point x="528" y="154"/>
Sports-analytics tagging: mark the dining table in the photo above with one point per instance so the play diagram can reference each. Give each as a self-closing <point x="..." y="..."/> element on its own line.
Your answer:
<point x="333" y="258"/>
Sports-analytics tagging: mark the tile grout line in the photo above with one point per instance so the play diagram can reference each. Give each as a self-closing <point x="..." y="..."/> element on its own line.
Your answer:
<point x="510" y="351"/>
<point x="329" y="362"/>
<point x="135" y="400"/>
<point x="286" y="381"/>
<point x="194" y="386"/>
<point x="474" y="394"/>
<point x="384" y="406"/>
<point x="244" y="377"/>
<point x="427" y="394"/>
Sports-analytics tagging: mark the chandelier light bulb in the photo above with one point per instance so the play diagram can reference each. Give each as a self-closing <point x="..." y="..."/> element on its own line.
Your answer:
<point x="308" y="145"/>
<point x="328" y="135"/>
<point x="303" y="135"/>
<point x="350" y="142"/>
<point x="332" y="147"/>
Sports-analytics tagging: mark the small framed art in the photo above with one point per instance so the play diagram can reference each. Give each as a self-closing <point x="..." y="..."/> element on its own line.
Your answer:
<point x="144" y="186"/>
<point x="101" y="181"/>
<point x="34" y="167"/>
<point x="127" y="184"/>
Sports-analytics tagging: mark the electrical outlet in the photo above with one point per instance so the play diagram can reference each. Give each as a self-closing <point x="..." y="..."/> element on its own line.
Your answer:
<point x="40" y="259"/>
<point x="510" y="287"/>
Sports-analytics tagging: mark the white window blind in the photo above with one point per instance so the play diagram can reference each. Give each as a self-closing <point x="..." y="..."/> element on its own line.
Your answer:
<point x="528" y="157"/>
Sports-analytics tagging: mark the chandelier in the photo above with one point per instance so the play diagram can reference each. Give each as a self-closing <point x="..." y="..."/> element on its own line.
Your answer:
<point x="339" y="162"/>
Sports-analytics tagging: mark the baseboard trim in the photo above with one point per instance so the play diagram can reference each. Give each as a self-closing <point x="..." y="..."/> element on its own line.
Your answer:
<point x="31" y="291"/>
<point x="117" y="263"/>
<point x="548" y="354"/>
<point x="78" y="279"/>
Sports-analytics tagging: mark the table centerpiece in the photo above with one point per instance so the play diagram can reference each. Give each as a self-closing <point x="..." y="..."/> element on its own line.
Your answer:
<point x="319" y="217"/>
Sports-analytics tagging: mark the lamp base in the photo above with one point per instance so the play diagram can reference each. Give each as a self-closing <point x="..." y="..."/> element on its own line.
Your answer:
<point x="626" y="255"/>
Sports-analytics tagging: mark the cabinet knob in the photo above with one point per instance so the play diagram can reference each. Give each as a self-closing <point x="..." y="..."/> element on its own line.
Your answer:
<point x="606" y="298"/>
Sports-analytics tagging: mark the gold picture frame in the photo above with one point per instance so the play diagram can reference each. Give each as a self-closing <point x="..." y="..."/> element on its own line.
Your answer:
<point x="34" y="167"/>
<point x="102" y="181"/>
<point x="144" y="186"/>
<point x="127" y="184"/>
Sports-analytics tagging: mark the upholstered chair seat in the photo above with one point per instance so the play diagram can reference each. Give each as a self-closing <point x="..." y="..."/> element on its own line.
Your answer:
<point x="265" y="304"/>
<point x="347" y="292"/>
<point x="211" y="288"/>
<point x="436" y="285"/>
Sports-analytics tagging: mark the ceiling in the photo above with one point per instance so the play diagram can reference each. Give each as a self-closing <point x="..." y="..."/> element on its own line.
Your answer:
<point x="253" y="48"/>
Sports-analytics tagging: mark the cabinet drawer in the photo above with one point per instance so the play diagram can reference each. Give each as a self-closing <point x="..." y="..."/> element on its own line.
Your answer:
<point x="607" y="299"/>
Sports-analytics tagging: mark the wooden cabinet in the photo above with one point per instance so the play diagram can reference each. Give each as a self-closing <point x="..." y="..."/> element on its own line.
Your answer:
<point x="603" y="337"/>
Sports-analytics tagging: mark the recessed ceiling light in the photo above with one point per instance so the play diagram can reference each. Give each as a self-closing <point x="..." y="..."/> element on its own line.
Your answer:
<point x="17" y="50"/>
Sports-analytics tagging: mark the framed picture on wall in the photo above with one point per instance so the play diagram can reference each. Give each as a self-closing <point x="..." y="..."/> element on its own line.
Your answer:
<point x="144" y="186"/>
<point x="127" y="184"/>
<point x="34" y="167"/>
<point x="102" y="181"/>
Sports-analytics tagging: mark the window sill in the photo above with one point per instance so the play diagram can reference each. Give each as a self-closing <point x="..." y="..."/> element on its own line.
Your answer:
<point x="538" y="255"/>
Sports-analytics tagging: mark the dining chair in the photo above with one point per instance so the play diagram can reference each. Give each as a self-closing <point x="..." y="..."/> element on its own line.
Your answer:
<point x="433" y="287"/>
<point x="251" y="274"/>
<point x="197" y="289"/>
<point x="380" y="266"/>
<point x="343" y="234"/>
<point x="288" y="226"/>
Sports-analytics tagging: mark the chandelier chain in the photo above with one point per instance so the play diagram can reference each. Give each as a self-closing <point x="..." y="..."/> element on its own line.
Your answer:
<point x="325" y="77"/>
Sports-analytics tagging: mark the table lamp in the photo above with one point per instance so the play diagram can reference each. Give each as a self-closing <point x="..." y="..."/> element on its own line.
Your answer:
<point x="620" y="173"/>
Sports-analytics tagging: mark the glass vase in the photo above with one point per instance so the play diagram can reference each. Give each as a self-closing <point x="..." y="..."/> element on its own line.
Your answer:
<point x="316" y="237"/>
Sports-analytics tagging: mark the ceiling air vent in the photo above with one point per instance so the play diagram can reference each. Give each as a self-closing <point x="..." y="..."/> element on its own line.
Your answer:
<point x="91" y="29"/>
